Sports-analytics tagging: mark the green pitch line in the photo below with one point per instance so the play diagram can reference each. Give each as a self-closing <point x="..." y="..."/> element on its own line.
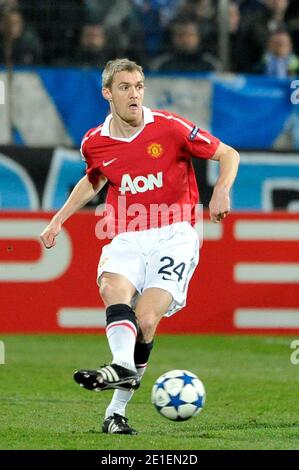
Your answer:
<point x="252" y="394"/>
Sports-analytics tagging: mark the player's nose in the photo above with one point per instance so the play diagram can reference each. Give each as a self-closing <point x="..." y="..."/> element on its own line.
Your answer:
<point x="134" y="93"/>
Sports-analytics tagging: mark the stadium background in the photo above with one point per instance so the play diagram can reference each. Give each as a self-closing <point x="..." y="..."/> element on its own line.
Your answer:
<point x="247" y="281"/>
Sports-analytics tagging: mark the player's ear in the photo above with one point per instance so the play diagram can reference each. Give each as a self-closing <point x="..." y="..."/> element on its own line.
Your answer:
<point x="106" y="94"/>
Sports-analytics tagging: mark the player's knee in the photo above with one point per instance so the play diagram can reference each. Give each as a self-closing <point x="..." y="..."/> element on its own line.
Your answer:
<point x="148" y="323"/>
<point x="112" y="294"/>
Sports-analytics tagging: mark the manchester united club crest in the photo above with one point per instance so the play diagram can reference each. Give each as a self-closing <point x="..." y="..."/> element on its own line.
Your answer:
<point x="155" y="150"/>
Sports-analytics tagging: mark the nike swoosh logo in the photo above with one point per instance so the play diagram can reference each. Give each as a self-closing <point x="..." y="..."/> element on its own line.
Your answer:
<point x="110" y="161"/>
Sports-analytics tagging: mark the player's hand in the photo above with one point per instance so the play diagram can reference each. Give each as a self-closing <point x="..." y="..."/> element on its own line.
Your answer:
<point x="219" y="204"/>
<point x="48" y="236"/>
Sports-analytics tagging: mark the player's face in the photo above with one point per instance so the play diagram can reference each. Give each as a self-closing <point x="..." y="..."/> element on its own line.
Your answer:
<point x="127" y="94"/>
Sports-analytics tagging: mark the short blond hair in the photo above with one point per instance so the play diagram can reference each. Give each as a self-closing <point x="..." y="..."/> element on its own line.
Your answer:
<point x="118" y="65"/>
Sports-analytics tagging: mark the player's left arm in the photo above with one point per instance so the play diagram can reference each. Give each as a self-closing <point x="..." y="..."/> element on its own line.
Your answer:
<point x="220" y="201"/>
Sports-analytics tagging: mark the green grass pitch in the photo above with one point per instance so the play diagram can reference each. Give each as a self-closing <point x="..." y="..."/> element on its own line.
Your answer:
<point x="252" y="394"/>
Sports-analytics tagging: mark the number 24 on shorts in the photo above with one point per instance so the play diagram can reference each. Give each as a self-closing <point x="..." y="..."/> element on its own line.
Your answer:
<point x="169" y="269"/>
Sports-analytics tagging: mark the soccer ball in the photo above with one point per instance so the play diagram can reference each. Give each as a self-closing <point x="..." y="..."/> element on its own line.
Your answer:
<point x="178" y="395"/>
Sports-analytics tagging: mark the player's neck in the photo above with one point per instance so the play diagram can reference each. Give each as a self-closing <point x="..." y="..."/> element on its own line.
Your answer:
<point x="122" y="129"/>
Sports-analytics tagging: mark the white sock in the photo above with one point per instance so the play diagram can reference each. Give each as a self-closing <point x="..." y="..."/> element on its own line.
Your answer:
<point x="121" y="337"/>
<point x="121" y="398"/>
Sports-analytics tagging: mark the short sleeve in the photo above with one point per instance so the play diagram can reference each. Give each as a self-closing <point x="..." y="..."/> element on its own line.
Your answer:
<point x="92" y="172"/>
<point x="195" y="141"/>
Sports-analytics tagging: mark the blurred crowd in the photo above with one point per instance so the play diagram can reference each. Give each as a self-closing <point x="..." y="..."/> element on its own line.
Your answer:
<point x="162" y="35"/>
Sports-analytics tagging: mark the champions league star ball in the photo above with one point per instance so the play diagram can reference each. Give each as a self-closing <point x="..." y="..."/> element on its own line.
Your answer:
<point x="178" y="395"/>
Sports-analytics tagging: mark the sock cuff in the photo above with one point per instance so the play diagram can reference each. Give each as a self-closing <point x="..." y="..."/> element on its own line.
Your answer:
<point x="142" y="353"/>
<point x="120" y="313"/>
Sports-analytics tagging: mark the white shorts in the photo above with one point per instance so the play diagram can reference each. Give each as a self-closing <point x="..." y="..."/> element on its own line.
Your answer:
<point x="163" y="257"/>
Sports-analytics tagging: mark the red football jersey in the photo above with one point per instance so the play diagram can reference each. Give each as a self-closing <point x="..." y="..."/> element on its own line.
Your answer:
<point x="150" y="175"/>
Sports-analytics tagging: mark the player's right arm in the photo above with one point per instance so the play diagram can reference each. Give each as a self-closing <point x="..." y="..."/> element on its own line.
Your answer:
<point x="83" y="192"/>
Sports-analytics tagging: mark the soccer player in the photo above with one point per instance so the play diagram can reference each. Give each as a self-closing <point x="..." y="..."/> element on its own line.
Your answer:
<point x="143" y="274"/>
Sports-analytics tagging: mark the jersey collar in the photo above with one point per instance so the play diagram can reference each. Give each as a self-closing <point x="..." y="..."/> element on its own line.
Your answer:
<point x="148" y="119"/>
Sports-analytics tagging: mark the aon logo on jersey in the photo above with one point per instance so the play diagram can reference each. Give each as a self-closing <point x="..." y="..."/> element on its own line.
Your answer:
<point x="140" y="184"/>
